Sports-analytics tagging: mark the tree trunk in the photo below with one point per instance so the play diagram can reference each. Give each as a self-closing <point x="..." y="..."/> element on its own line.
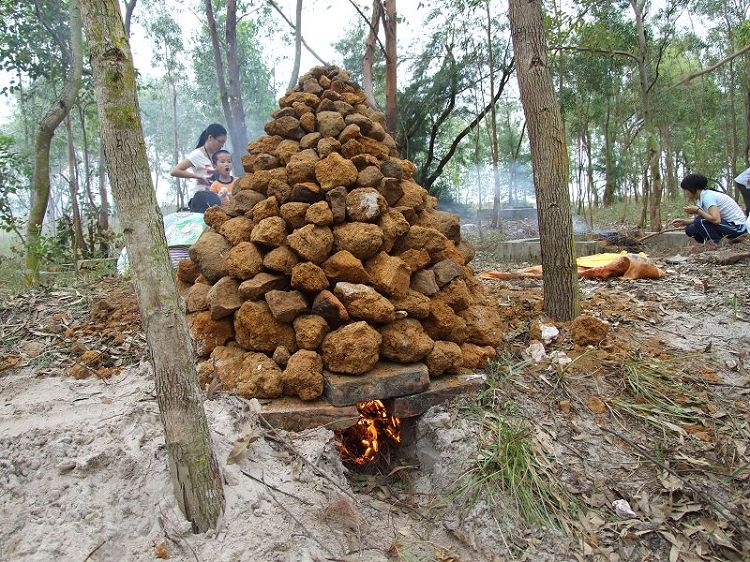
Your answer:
<point x="103" y="218"/>
<point x="652" y="142"/>
<point x="368" y="59"/>
<point x="549" y="157"/>
<point x="193" y="468"/>
<point x="494" y="148"/>
<point x="297" y="46"/>
<point x="178" y="183"/>
<point x="391" y="63"/>
<point x="734" y="156"/>
<point x="79" y="243"/>
<point x="239" y="122"/>
<point x="220" y="73"/>
<point x="40" y="181"/>
<point x="609" y="184"/>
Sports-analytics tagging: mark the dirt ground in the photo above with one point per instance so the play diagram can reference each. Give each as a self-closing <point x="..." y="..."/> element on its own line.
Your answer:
<point x="633" y="447"/>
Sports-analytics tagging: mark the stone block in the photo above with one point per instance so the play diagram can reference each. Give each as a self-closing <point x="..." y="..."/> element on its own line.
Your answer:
<point x="385" y="380"/>
<point x="292" y="414"/>
<point x="440" y="390"/>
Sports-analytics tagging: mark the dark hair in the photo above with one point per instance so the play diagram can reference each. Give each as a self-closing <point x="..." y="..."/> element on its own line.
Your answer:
<point x="203" y="200"/>
<point x="215" y="157"/>
<point x="694" y="182"/>
<point x="213" y="130"/>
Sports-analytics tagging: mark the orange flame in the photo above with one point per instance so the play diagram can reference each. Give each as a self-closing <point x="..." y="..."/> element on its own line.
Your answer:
<point x="360" y="443"/>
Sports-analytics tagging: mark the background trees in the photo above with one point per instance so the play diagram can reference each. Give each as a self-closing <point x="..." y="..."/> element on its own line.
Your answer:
<point x="638" y="109"/>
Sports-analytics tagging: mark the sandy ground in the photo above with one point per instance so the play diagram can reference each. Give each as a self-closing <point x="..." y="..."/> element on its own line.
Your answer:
<point x="83" y="466"/>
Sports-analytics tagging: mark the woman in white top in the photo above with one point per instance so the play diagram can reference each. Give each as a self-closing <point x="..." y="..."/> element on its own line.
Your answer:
<point x="716" y="214"/>
<point x="211" y="140"/>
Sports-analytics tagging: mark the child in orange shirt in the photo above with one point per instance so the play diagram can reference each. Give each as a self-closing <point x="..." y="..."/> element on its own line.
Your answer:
<point x="224" y="183"/>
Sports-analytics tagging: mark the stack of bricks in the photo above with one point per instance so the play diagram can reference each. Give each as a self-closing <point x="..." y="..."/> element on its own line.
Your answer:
<point x="331" y="272"/>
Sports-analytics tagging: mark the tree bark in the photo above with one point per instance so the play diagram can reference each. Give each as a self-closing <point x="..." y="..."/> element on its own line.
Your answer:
<point x="391" y="64"/>
<point x="652" y="140"/>
<point x="369" y="57"/>
<point x="239" y="122"/>
<point x="79" y="244"/>
<point x="193" y="468"/>
<point x="220" y="72"/>
<point x="103" y="218"/>
<point x="40" y="181"/>
<point x="297" y="46"/>
<point x="494" y="148"/>
<point x="549" y="157"/>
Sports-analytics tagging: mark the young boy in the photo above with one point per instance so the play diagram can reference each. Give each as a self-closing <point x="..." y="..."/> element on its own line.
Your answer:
<point x="224" y="183"/>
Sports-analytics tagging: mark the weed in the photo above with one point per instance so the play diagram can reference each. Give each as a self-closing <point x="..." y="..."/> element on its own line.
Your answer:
<point x="658" y="396"/>
<point x="508" y="465"/>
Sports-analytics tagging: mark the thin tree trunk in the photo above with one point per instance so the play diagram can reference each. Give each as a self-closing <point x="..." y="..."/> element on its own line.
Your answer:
<point x="391" y="64"/>
<point x="369" y="57"/>
<point x="494" y="148"/>
<point x="609" y="184"/>
<point x="181" y="203"/>
<point x="734" y="156"/>
<point x="103" y="218"/>
<point x="239" y="122"/>
<point x="297" y="46"/>
<point x="193" y="468"/>
<point x="79" y="243"/>
<point x="220" y="72"/>
<point x="654" y="149"/>
<point x="549" y="157"/>
<point x="51" y="120"/>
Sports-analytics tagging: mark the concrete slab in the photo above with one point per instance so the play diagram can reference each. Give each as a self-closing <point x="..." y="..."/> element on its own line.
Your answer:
<point x="529" y="250"/>
<point x="385" y="380"/>
<point x="670" y="242"/>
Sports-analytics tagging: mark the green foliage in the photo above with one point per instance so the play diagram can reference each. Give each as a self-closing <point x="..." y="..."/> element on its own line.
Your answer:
<point x="15" y="175"/>
<point x="33" y="40"/>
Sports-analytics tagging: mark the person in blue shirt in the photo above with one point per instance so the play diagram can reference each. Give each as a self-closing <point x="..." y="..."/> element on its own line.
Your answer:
<point x="717" y="215"/>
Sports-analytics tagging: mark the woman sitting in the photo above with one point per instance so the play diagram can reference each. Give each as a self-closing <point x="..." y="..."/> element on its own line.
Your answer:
<point x="717" y="215"/>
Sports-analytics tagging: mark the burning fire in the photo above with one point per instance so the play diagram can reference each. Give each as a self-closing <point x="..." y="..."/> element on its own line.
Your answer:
<point x="360" y="443"/>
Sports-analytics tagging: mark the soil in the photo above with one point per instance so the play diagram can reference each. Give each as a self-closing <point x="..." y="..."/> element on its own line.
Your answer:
<point x="656" y="414"/>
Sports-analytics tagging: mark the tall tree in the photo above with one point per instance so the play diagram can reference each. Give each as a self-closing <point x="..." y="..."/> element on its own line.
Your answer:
<point x="193" y="468"/>
<point x="45" y="131"/>
<point x="297" y="46"/>
<point x="391" y="67"/>
<point x="231" y="96"/>
<point x="549" y="158"/>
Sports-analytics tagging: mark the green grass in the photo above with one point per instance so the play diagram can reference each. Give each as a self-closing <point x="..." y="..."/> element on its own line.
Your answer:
<point x="654" y="388"/>
<point x="511" y="470"/>
<point x="510" y="465"/>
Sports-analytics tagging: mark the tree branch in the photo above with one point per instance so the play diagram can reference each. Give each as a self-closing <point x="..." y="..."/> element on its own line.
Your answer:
<point x="610" y="52"/>
<point x="507" y="71"/>
<point x="711" y="68"/>
<point x="373" y="29"/>
<point x="275" y="6"/>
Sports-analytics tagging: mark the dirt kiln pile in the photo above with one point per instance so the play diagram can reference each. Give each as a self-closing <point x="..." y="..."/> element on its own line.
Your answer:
<point x="331" y="269"/>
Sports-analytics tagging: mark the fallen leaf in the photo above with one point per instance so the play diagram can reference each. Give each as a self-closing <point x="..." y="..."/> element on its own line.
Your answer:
<point x="596" y="405"/>
<point x="161" y="551"/>
<point x="248" y="435"/>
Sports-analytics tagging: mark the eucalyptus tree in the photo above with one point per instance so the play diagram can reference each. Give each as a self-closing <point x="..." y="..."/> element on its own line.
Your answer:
<point x="549" y="158"/>
<point x="166" y="36"/>
<point x="71" y="68"/>
<point x="193" y="468"/>
<point x="255" y="70"/>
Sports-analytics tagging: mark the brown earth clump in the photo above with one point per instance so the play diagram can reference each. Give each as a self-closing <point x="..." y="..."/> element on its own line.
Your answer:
<point x="329" y="246"/>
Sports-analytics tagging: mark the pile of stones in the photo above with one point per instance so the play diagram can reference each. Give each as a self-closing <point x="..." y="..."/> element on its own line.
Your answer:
<point x="329" y="258"/>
